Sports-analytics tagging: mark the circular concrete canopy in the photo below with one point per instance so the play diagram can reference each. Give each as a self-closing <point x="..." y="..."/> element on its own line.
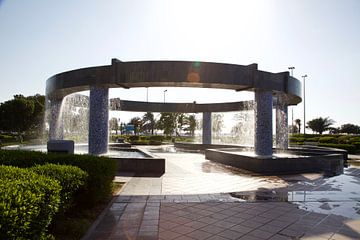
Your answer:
<point x="174" y="74"/>
<point x="136" y="106"/>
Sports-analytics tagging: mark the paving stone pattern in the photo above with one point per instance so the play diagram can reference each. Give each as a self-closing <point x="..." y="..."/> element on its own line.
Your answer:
<point x="187" y="203"/>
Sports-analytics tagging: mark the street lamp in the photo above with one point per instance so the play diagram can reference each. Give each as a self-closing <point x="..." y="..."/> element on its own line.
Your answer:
<point x="164" y="94"/>
<point x="305" y="76"/>
<point x="291" y="69"/>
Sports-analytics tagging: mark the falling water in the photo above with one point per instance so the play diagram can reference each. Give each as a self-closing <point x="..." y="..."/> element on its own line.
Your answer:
<point x="243" y="131"/>
<point x="70" y="116"/>
<point x="281" y="122"/>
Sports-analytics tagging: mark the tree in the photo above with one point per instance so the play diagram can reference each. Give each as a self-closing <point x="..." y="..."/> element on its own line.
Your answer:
<point x="37" y="117"/>
<point x="190" y="123"/>
<point x="293" y="129"/>
<point x="320" y="124"/>
<point x="17" y="114"/>
<point x="217" y="123"/>
<point x="114" y="125"/>
<point x="136" y="121"/>
<point x="148" y="122"/>
<point x="350" y="129"/>
<point x="298" y="124"/>
<point x="168" y="123"/>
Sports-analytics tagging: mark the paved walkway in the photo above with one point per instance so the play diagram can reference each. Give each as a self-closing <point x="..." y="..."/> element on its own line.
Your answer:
<point x="192" y="200"/>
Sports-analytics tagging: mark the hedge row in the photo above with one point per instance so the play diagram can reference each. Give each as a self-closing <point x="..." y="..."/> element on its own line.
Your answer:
<point x="348" y="147"/>
<point x="28" y="202"/>
<point x="71" y="180"/>
<point x="7" y="138"/>
<point x="100" y="170"/>
<point x="346" y="142"/>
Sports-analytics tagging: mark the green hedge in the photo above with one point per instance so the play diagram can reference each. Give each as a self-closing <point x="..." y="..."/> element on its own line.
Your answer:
<point x="71" y="179"/>
<point x="296" y="139"/>
<point x="7" y="138"/>
<point x="28" y="202"/>
<point x="327" y="140"/>
<point x="348" y="147"/>
<point x="101" y="170"/>
<point x="157" y="138"/>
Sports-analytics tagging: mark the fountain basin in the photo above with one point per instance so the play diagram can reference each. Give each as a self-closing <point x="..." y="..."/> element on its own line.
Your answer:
<point x="291" y="161"/>
<point x="134" y="160"/>
<point x="137" y="161"/>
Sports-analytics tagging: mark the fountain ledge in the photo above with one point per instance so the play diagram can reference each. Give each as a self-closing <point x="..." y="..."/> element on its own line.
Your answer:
<point x="329" y="162"/>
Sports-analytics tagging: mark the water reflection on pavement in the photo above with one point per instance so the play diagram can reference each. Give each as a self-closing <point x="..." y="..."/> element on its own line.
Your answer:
<point x="191" y="173"/>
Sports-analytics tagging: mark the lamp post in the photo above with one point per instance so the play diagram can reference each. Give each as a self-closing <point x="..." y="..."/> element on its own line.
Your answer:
<point x="164" y="94"/>
<point x="305" y="76"/>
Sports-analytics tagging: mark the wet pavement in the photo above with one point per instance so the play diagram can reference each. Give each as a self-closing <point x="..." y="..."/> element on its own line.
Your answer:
<point x="198" y="199"/>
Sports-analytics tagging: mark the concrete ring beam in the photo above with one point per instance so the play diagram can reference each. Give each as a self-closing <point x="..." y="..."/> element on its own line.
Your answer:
<point x="174" y="74"/>
<point x="135" y="106"/>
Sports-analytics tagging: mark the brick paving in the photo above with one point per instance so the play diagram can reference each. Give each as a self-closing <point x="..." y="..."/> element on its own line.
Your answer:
<point x="164" y="208"/>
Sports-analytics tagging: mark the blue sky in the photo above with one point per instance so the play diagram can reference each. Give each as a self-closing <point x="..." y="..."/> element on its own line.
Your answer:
<point x="320" y="38"/>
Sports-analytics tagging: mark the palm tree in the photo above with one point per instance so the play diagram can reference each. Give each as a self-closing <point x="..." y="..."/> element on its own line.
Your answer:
<point x="114" y="125"/>
<point x="190" y="123"/>
<point x="136" y="121"/>
<point x="298" y="123"/>
<point x="167" y="123"/>
<point x="320" y="124"/>
<point x="148" y="122"/>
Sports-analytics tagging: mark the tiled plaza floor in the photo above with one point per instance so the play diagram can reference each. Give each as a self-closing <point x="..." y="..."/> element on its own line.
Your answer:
<point x="192" y="201"/>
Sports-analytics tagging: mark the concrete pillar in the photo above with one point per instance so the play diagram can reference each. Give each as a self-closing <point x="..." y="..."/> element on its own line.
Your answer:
<point x="56" y="127"/>
<point x="98" y="120"/>
<point x="206" y="136"/>
<point x="282" y="128"/>
<point x="263" y="122"/>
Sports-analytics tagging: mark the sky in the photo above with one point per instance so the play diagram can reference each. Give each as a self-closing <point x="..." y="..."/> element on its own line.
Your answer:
<point x="320" y="38"/>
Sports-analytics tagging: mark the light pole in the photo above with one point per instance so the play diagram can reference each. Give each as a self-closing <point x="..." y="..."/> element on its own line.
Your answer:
<point x="305" y="76"/>
<point x="147" y="94"/>
<point x="164" y="94"/>
<point x="291" y="71"/>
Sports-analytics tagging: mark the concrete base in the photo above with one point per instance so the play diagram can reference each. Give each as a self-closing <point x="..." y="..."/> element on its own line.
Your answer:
<point x="150" y="166"/>
<point x="305" y="161"/>
<point x="60" y="146"/>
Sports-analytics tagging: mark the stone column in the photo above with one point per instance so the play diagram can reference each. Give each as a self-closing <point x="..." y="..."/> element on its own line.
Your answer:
<point x="263" y="122"/>
<point x="206" y="136"/>
<point x="56" y="127"/>
<point x="282" y="129"/>
<point x="98" y="120"/>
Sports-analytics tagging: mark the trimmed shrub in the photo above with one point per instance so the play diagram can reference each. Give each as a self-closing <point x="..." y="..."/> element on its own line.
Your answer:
<point x="101" y="170"/>
<point x="348" y="147"/>
<point x="355" y="139"/>
<point x="327" y="140"/>
<point x="158" y="138"/>
<point x="134" y="138"/>
<point x="297" y="139"/>
<point x="343" y="139"/>
<point x="28" y="202"/>
<point x="140" y="142"/>
<point x="153" y="142"/>
<point x="71" y="179"/>
<point x="313" y="139"/>
<point x="7" y="138"/>
<point x="357" y="145"/>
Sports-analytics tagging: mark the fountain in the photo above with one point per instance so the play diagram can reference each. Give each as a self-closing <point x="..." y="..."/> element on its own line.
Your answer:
<point x="272" y="90"/>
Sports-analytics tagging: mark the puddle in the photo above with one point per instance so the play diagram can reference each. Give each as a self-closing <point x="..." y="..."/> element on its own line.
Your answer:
<point x="339" y="195"/>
